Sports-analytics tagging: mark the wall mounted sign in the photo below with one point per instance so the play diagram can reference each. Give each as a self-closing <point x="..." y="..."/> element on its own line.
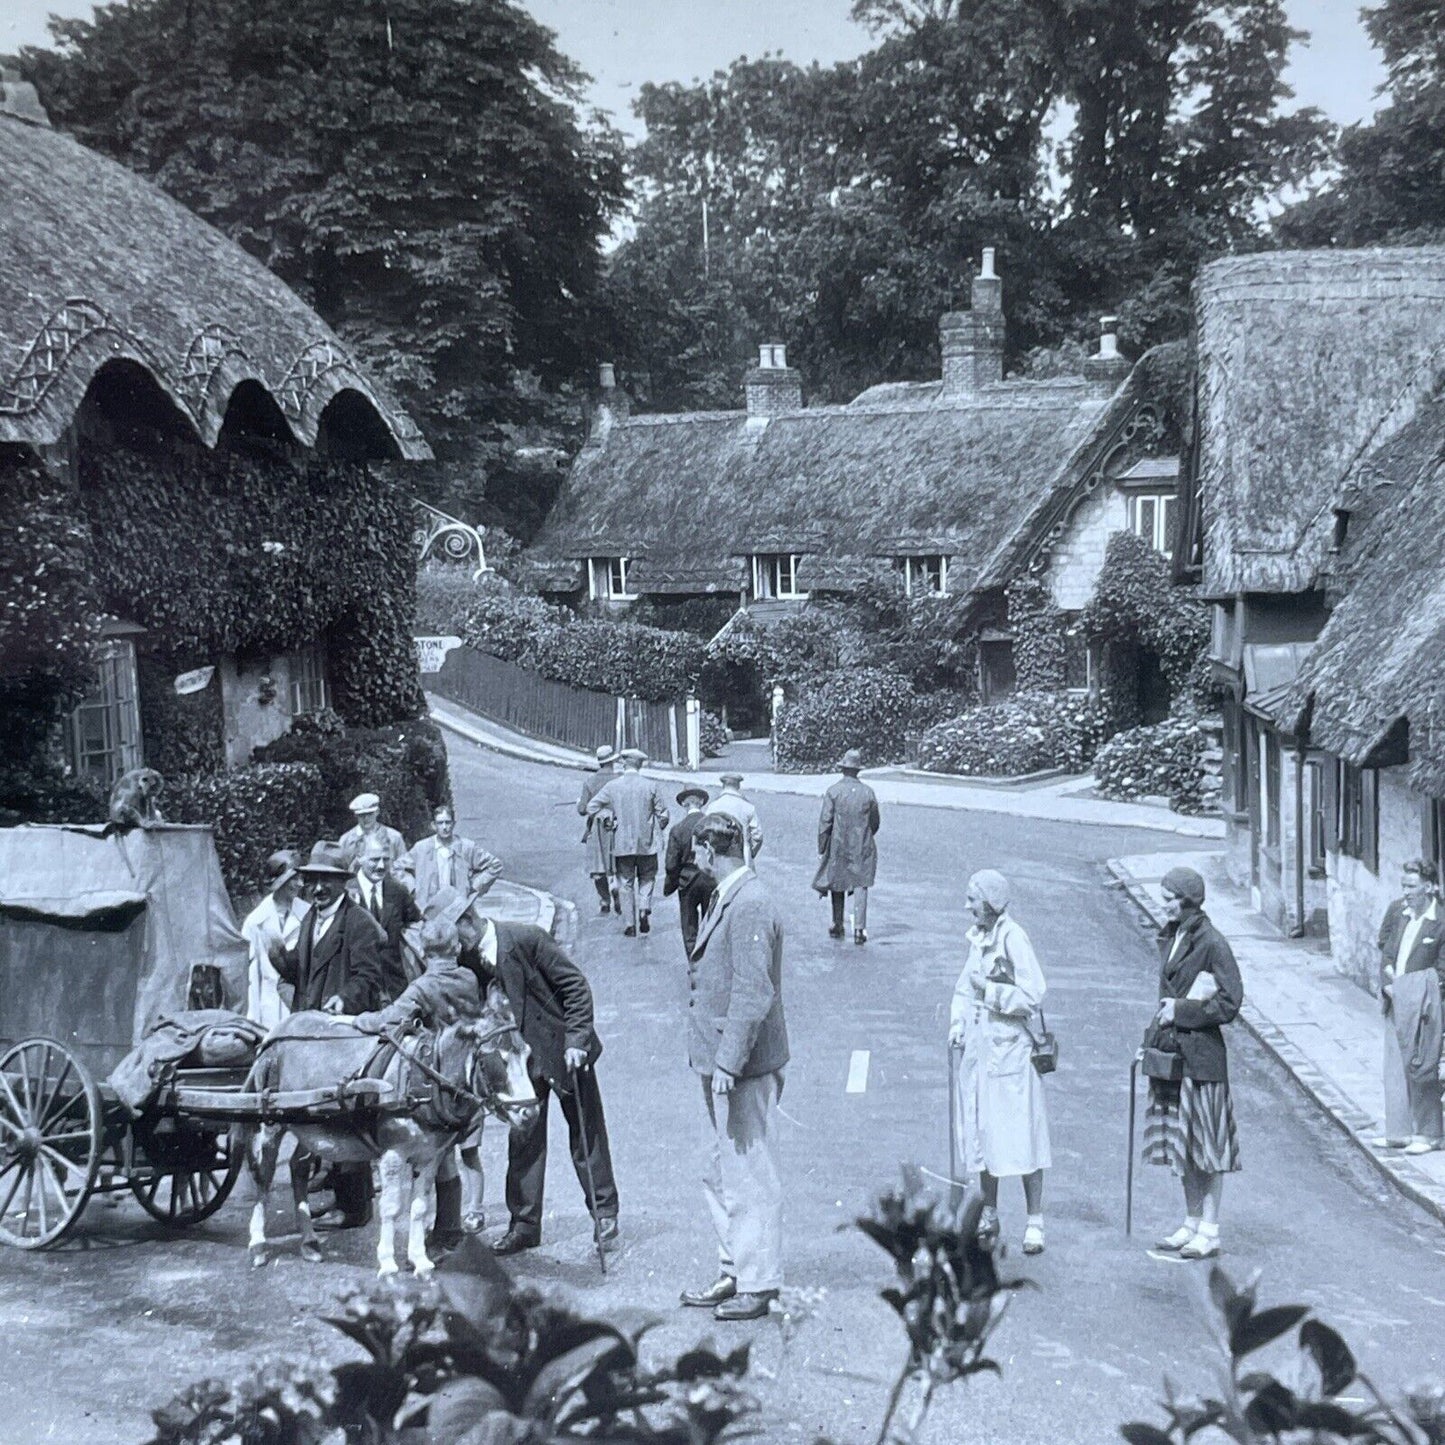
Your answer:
<point x="195" y="681"/>
<point x="431" y="652"/>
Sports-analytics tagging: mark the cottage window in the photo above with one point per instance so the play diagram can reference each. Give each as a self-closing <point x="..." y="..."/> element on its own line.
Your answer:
<point x="1357" y="794"/>
<point x="1151" y="516"/>
<point x="1273" y="773"/>
<point x="607" y="579"/>
<point x="105" y="727"/>
<point x="1318" y="829"/>
<point x="776" y="575"/>
<point x="310" y="691"/>
<point x="925" y="576"/>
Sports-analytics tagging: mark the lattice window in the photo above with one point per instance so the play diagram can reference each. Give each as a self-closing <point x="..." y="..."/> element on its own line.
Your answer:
<point x="105" y="727"/>
<point x="310" y="692"/>
<point x="1152" y="517"/>
<point x="608" y="579"/>
<point x="925" y="576"/>
<point x="776" y="575"/>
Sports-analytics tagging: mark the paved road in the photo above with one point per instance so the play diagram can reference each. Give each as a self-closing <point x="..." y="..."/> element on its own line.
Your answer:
<point x="113" y="1324"/>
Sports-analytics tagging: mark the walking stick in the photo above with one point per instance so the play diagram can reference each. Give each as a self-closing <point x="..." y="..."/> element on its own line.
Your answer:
<point x="1129" y="1167"/>
<point x="956" y="1191"/>
<point x="591" y="1183"/>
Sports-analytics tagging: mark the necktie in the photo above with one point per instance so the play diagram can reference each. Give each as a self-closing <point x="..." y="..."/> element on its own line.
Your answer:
<point x="376" y="901"/>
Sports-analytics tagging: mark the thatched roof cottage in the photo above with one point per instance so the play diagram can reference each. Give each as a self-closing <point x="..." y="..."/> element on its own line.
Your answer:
<point x="1318" y="377"/>
<point x="202" y="444"/>
<point x="955" y="484"/>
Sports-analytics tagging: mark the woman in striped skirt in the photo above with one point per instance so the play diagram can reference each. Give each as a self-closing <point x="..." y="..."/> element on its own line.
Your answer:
<point x="1190" y="1122"/>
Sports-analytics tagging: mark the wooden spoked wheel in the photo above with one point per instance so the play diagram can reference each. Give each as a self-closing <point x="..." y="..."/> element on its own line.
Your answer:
<point x="194" y="1190"/>
<point x="51" y="1131"/>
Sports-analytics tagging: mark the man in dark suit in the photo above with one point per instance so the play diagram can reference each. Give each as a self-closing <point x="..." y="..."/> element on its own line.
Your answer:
<point x="683" y="877"/>
<point x="389" y="903"/>
<point x="336" y="966"/>
<point x="737" y="1041"/>
<point x="552" y="1001"/>
<point x="1412" y="958"/>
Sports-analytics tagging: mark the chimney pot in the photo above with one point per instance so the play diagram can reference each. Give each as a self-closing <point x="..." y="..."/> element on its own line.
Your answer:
<point x="607" y="376"/>
<point x="987" y="273"/>
<point x="772" y="386"/>
<point x="1108" y="337"/>
<point x="1107" y="368"/>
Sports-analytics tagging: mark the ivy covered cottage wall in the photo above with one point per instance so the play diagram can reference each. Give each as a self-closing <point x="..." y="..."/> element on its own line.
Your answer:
<point x="211" y="574"/>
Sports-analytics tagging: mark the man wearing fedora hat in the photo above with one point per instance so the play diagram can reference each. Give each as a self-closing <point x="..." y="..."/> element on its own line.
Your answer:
<point x="848" y="855"/>
<point x="682" y="876"/>
<point x="597" y="832"/>
<point x="367" y="808"/>
<point x="732" y="804"/>
<point x="335" y="965"/>
<point x="636" y="805"/>
<point x="274" y="922"/>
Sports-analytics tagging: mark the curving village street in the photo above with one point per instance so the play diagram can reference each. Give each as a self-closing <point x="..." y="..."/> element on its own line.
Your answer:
<point x="100" y="1331"/>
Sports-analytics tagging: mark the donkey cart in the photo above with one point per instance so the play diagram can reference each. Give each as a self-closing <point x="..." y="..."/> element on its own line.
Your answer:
<point x="101" y="935"/>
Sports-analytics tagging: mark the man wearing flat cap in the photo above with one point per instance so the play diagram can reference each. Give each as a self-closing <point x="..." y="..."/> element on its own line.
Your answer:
<point x="682" y="876"/>
<point x="636" y="804"/>
<point x="597" y="832"/>
<point x="367" y="808"/>
<point x="274" y="923"/>
<point x="848" y="859"/>
<point x="731" y="803"/>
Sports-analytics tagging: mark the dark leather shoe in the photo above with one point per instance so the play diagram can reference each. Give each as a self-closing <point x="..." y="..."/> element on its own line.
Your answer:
<point x="644" y="923"/>
<point x="608" y="1235"/>
<point x="515" y="1240"/>
<point x="859" y="936"/>
<point x="605" y="908"/>
<point x="629" y="932"/>
<point x="722" y="1288"/>
<point x="836" y="931"/>
<point x="745" y="1306"/>
<point x="439" y="1245"/>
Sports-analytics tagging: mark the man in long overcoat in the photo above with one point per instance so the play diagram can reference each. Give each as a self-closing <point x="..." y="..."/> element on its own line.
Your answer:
<point x="597" y="833"/>
<point x="682" y="875"/>
<point x="849" y="856"/>
<point x="737" y="1041"/>
<point x="636" y="805"/>
<point x="552" y="1002"/>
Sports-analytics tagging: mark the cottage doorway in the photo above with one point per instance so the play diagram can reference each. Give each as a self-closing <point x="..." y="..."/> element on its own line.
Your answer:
<point x="1152" y="696"/>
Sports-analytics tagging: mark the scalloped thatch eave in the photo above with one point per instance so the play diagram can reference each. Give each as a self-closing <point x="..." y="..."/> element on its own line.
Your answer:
<point x="100" y="266"/>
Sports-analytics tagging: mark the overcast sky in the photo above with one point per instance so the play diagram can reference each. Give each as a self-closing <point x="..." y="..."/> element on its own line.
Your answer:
<point x="624" y="43"/>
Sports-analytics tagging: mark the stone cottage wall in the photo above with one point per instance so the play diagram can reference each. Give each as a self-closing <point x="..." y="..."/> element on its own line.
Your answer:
<point x="1078" y="556"/>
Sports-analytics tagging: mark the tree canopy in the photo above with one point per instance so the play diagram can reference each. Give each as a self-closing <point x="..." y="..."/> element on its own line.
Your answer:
<point x="1106" y="147"/>
<point x="419" y="170"/>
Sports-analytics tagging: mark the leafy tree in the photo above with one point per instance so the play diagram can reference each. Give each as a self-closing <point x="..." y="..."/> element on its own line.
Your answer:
<point x="1391" y="185"/>
<point x="417" y="169"/>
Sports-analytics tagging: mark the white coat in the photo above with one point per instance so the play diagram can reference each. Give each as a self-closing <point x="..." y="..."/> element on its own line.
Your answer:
<point x="267" y="994"/>
<point x="1002" y="1124"/>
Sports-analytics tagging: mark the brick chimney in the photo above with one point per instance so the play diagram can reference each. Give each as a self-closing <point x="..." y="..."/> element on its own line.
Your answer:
<point x="772" y="386"/>
<point x="972" y="341"/>
<point x="613" y="404"/>
<point x="1106" y="369"/>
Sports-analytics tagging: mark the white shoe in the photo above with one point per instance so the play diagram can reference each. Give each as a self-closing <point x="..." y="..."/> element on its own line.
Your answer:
<point x="1383" y="1141"/>
<point x="1419" y="1146"/>
<point x="1177" y="1240"/>
<point x="1034" y="1239"/>
<point x="1202" y="1246"/>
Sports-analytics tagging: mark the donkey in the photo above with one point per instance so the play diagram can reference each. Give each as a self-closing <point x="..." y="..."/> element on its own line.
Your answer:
<point x="479" y="1067"/>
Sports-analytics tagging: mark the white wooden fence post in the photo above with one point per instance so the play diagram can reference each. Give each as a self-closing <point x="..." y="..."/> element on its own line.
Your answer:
<point x="675" y="756"/>
<point x="621" y="724"/>
<point x="694" y="734"/>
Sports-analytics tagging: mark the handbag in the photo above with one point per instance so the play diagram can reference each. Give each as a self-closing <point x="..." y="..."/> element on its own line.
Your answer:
<point x="1160" y="1057"/>
<point x="1044" y="1050"/>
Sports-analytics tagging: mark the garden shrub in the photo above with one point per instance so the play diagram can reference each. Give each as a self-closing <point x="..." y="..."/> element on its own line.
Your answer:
<point x="1166" y="760"/>
<point x="866" y="708"/>
<point x="445" y="597"/>
<point x="1022" y="734"/>
<point x="252" y="811"/>
<point x="405" y="766"/>
<point x="714" y="734"/>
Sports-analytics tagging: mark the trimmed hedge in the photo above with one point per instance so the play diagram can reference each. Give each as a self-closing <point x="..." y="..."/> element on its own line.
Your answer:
<point x="1022" y="734"/>
<point x="874" y="711"/>
<point x="714" y="735"/>
<point x="1165" y="760"/>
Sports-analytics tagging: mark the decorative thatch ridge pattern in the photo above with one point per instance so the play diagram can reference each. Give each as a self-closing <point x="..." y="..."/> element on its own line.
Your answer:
<point x="100" y="265"/>
<point x="1381" y="657"/>
<point x="903" y="469"/>
<point x="1307" y="360"/>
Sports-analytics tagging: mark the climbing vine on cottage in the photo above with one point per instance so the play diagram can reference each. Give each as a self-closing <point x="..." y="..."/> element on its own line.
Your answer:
<point x="1038" y="625"/>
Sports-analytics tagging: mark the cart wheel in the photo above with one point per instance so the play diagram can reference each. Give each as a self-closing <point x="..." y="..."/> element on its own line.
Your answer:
<point x="51" y="1131"/>
<point x="188" y="1196"/>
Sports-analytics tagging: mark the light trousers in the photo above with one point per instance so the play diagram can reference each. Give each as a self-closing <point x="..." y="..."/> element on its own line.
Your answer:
<point x="636" y="875"/>
<point x="741" y="1182"/>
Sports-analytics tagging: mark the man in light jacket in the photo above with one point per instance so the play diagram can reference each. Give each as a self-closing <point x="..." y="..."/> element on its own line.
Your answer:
<point x="1412" y="957"/>
<point x="731" y="803"/>
<point x="641" y="815"/>
<point x="445" y="861"/>
<point x="738" y="1044"/>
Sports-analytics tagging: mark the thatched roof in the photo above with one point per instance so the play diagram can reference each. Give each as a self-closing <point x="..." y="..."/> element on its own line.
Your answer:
<point x="1381" y="657"/>
<point x="99" y="265"/>
<point x="903" y="469"/>
<point x="1307" y="360"/>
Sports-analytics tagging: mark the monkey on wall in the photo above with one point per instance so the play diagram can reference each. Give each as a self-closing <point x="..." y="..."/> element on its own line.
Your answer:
<point x="133" y="799"/>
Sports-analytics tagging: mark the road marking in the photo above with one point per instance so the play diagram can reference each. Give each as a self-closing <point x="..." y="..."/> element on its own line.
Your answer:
<point x="857" y="1072"/>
